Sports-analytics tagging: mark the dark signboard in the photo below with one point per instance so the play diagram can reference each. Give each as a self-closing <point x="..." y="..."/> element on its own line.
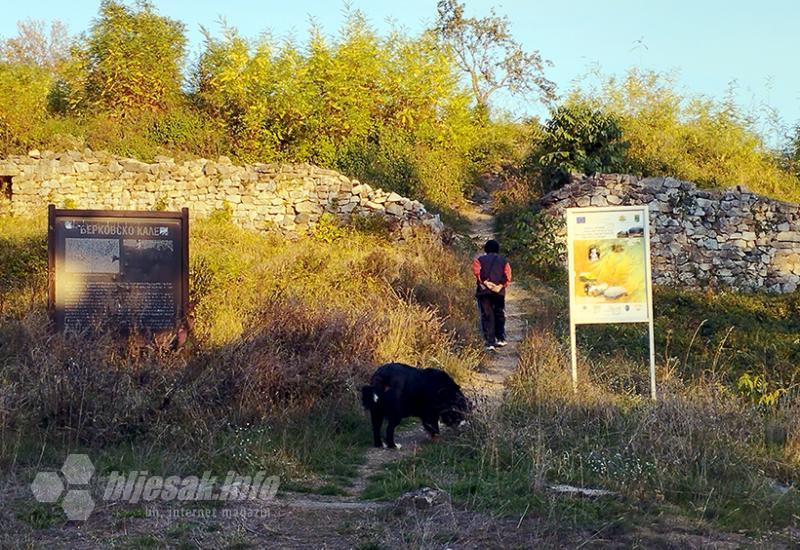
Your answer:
<point x="118" y="270"/>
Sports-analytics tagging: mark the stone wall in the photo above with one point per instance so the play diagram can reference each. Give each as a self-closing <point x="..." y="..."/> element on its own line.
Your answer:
<point x="731" y="238"/>
<point x="289" y="198"/>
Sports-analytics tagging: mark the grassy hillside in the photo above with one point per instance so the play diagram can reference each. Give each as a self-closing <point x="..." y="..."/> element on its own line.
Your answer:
<point x="711" y="451"/>
<point x="285" y="333"/>
<point x="719" y="449"/>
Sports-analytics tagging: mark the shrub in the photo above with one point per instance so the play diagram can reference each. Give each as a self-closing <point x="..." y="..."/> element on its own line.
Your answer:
<point x="130" y="61"/>
<point x="23" y="105"/>
<point x="710" y="142"/>
<point x="577" y="138"/>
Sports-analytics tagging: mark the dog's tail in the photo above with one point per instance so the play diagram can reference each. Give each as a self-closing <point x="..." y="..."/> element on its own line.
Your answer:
<point x="368" y="397"/>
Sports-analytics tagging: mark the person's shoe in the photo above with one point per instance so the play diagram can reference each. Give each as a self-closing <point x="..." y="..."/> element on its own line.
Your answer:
<point x="501" y="343"/>
<point x="490" y="348"/>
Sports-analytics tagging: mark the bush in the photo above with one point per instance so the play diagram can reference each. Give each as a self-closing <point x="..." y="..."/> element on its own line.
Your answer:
<point x="700" y="450"/>
<point x="577" y="138"/>
<point x="714" y="143"/>
<point x="129" y="63"/>
<point x="23" y="105"/>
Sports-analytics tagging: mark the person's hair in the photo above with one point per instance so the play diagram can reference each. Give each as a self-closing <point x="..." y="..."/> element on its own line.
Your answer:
<point x="491" y="247"/>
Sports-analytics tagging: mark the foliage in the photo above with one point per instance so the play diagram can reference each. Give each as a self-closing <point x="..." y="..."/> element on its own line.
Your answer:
<point x="577" y="138"/>
<point x="23" y="104"/>
<point x="757" y="388"/>
<point x="701" y="449"/>
<point x="33" y="46"/>
<point x="129" y="63"/>
<point x="485" y="49"/>
<point x="281" y="329"/>
<point x="387" y="110"/>
<point x="792" y="155"/>
<point x="532" y="237"/>
<point x="710" y="142"/>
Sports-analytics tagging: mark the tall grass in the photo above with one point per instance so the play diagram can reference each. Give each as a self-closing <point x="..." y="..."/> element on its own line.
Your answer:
<point x="285" y="331"/>
<point x="703" y="450"/>
<point x="699" y="452"/>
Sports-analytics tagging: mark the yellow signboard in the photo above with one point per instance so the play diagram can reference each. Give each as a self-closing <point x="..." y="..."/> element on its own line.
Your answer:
<point x="608" y="250"/>
<point x="609" y="278"/>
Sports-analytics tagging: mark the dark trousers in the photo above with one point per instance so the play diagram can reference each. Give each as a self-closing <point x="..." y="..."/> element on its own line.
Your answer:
<point x="493" y="317"/>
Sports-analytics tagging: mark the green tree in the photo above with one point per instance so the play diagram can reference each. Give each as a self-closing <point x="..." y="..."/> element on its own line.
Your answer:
<point x="23" y="104"/>
<point x="793" y="152"/>
<point x="130" y="62"/>
<point x="486" y="51"/>
<point x="578" y="138"/>
<point x="389" y="110"/>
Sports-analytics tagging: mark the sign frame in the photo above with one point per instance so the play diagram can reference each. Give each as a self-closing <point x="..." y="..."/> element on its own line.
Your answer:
<point x="181" y="216"/>
<point x="643" y="210"/>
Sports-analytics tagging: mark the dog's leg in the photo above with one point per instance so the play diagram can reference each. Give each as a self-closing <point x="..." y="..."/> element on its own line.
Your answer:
<point x="377" y="423"/>
<point x="393" y="423"/>
<point x="431" y="425"/>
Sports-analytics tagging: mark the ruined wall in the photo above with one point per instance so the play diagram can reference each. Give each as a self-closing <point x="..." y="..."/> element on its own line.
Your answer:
<point x="730" y="238"/>
<point x="289" y="198"/>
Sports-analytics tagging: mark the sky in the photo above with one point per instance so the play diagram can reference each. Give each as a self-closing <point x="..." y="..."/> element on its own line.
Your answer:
<point x="707" y="43"/>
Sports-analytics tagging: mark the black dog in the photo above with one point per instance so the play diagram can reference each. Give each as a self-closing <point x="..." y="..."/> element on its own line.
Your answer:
<point x="397" y="391"/>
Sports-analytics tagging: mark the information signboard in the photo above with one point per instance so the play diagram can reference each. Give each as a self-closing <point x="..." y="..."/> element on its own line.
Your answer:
<point x="608" y="251"/>
<point x="121" y="271"/>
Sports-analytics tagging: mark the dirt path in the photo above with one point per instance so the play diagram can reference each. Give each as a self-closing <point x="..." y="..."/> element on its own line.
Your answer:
<point x="488" y="385"/>
<point x="499" y="365"/>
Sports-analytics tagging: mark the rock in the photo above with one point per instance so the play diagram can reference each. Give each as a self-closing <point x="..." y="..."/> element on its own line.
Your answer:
<point x="422" y="499"/>
<point x="305" y="206"/>
<point x="788" y="236"/>
<point x="581" y="491"/>
<point x="703" y="203"/>
<point x="394" y="209"/>
<point x="34" y="153"/>
<point x="302" y="218"/>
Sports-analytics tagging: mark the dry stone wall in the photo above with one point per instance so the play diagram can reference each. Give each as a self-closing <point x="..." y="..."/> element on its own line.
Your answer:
<point x="289" y="198"/>
<point x="730" y="238"/>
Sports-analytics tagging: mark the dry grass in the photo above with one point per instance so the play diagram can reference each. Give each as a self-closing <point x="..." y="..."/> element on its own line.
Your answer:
<point x="284" y="330"/>
<point x="703" y="450"/>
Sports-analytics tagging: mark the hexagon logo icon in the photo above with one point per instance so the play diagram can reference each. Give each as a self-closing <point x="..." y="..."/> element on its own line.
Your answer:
<point x="78" y="469"/>
<point x="78" y="505"/>
<point x="49" y="486"/>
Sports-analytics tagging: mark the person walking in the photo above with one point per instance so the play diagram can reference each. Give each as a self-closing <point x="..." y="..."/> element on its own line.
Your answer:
<point x="493" y="275"/>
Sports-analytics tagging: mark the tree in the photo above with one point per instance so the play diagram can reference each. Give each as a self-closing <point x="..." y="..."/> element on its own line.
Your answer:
<point x="486" y="51"/>
<point x="711" y="142"/>
<point x="35" y="46"/>
<point x="578" y="138"/>
<point x="131" y="61"/>
<point x="23" y="104"/>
